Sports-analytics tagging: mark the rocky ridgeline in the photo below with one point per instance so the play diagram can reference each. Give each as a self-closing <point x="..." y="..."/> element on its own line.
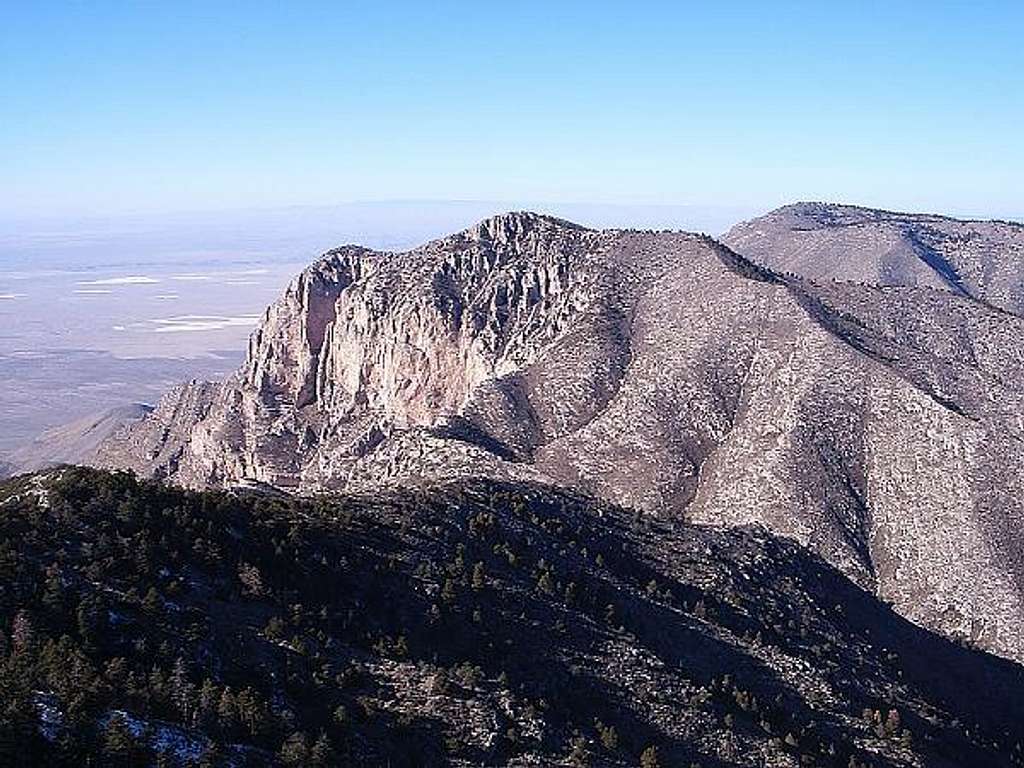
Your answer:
<point x="881" y="427"/>
<point x="981" y="259"/>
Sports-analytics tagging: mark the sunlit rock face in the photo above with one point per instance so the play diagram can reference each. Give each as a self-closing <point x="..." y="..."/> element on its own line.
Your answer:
<point x="880" y="426"/>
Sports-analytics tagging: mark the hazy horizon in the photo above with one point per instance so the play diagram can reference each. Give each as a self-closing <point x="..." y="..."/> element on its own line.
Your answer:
<point x="299" y="233"/>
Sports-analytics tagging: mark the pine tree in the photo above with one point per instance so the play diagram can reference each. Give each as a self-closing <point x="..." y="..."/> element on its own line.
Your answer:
<point x="212" y="756"/>
<point x="579" y="756"/>
<point x="479" y="578"/>
<point x="609" y="736"/>
<point x="226" y="711"/>
<point x="157" y="686"/>
<point x="23" y="634"/>
<point x="649" y="757"/>
<point x="182" y="692"/>
<point x="151" y="603"/>
<point x="116" y="673"/>
<point x="295" y="750"/>
<point x="322" y="755"/>
<point x="251" y="711"/>
<point x="118" y="741"/>
<point x="208" y="700"/>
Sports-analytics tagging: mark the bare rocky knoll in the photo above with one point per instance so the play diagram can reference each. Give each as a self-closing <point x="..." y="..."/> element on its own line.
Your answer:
<point x="468" y="623"/>
<point x="881" y="427"/>
<point x="981" y="259"/>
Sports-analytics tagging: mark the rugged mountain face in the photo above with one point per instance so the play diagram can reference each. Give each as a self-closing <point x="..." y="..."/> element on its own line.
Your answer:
<point x="72" y="443"/>
<point x="981" y="259"/>
<point x="468" y="623"/>
<point x="882" y="427"/>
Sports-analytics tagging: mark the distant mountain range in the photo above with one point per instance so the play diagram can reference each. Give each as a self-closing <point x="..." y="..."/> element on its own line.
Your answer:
<point x="876" y="418"/>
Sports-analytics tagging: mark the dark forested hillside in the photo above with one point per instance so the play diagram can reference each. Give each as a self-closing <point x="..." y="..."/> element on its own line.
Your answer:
<point x="472" y="623"/>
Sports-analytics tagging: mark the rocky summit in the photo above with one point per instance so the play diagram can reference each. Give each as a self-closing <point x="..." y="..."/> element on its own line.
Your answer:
<point x="878" y="424"/>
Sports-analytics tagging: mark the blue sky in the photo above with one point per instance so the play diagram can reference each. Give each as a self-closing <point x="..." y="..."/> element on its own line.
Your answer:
<point x="112" y="108"/>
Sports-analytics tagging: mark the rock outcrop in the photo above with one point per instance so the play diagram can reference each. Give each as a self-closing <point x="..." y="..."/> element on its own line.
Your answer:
<point x="880" y="426"/>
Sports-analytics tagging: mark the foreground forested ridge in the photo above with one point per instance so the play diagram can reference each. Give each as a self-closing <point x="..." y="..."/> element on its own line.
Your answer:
<point x="471" y="623"/>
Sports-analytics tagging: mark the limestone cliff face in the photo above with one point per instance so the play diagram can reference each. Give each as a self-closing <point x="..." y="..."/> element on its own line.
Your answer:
<point x="362" y="344"/>
<point x="882" y="427"/>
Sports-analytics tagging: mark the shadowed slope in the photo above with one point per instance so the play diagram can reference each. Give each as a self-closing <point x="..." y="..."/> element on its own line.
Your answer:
<point x="465" y="623"/>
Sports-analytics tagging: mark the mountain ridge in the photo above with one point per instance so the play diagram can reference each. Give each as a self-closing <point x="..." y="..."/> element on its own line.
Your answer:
<point x="982" y="259"/>
<point x="72" y="443"/>
<point x="883" y="213"/>
<point x="662" y="371"/>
